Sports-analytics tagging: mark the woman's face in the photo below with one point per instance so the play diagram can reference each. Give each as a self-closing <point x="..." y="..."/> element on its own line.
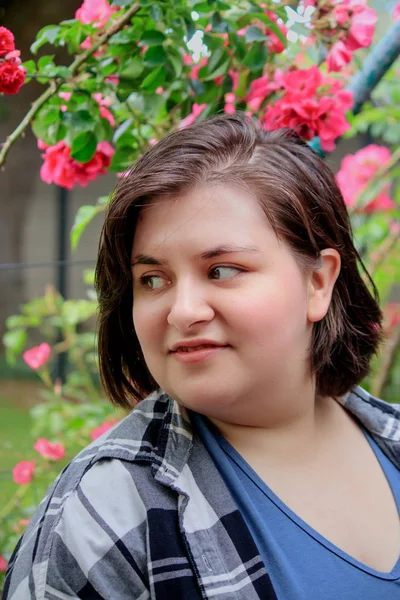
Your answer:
<point x="246" y="292"/>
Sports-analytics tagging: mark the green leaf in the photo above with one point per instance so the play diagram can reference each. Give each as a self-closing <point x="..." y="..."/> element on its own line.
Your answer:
<point x="216" y="58"/>
<point x="213" y="41"/>
<point x="152" y="37"/>
<point x="82" y="218"/>
<point x="81" y="120"/>
<point x="176" y="59"/>
<point x="254" y="34"/>
<point x="133" y="69"/>
<point x="122" y="37"/>
<point x="221" y="70"/>
<point x="14" y="341"/>
<point x="44" y="61"/>
<point x="47" y="34"/>
<point x="202" y="7"/>
<point x="257" y="57"/>
<point x="156" y="12"/>
<point x="88" y="275"/>
<point x="155" y="56"/>
<point x="84" y="146"/>
<point x="218" y="24"/>
<point x="154" y="79"/>
<point x="125" y="126"/>
<point x="30" y="67"/>
<point x="123" y="158"/>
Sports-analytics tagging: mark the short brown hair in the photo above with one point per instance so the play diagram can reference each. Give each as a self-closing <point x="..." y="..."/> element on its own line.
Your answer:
<point x="304" y="205"/>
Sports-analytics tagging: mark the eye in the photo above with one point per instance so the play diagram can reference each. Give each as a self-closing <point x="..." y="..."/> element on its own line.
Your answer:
<point x="222" y="269"/>
<point x="146" y="281"/>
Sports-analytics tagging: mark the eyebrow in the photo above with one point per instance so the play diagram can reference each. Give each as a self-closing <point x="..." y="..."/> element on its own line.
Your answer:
<point x="145" y="259"/>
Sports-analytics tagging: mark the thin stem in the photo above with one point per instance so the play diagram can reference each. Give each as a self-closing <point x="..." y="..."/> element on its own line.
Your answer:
<point x="390" y="350"/>
<point x="56" y="84"/>
<point x="378" y="257"/>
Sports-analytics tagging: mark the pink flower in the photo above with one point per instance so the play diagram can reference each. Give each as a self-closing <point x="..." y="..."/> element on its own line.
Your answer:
<point x="230" y="100"/>
<point x="97" y="12"/>
<point x="98" y="431"/>
<point x="187" y="59"/>
<point x="38" y="356"/>
<point x="392" y="314"/>
<point x="87" y="43"/>
<point x="3" y="564"/>
<point x="194" y="73"/>
<point x="23" y="472"/>
<point x="234" y="75"/>
<point x="396" y="12"/>
<point x="355" y="172"/>
<point x="60" y="168"/>
<point x="311" y="103"/>
<point x="362" y="27"/>
<point x="361" y="21"/>
<point x="160" y="90"/>
<point x="113" y="79"/>
<point x="197" y="109"/>
<point x="6" y="41"/>
<point x="65" y="96"/>
<point x="104" y="112"/>
<point x="48" y="450"/>
<point x="338" y="56"/>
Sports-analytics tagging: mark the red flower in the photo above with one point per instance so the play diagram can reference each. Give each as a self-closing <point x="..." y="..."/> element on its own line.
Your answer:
<point x="312" y="104"/>
<point x="23" y="472"/>
<point x="6" y="41"/>
<point x="97" y="12"/>
<point x="38" y="356"/>
<point x="261" y="88"/>
<point x="46" y="449"/>
<point x="355" y="172"/>
<point x="98" y="431"/>
<point x="274" y="44"/>
<point x="12" y="76"/>
<point x="396" y="12"/>
<point x="3" y="564"/>
<point x="60" y="168"/>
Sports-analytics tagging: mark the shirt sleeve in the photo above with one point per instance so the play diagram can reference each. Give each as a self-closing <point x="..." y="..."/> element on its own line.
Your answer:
<point x="95" y="548"/>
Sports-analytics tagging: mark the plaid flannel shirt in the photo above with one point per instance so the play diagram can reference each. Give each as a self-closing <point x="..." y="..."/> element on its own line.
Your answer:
<point x="144" y="513"/>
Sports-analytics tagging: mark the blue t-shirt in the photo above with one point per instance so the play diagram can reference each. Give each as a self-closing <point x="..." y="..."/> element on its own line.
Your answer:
<point x="302" y="564"/>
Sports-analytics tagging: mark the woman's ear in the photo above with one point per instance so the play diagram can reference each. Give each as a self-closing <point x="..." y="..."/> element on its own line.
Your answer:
<point x="321" y="283"/>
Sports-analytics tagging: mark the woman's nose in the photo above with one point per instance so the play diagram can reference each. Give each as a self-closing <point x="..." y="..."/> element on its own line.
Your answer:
<point x="189" y="306"/>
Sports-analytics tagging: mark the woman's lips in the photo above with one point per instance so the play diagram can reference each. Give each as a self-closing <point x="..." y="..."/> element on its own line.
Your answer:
<point x="194" y="355"/>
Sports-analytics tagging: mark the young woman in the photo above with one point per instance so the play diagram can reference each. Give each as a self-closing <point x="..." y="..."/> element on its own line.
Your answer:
<point x="232" y="307"/>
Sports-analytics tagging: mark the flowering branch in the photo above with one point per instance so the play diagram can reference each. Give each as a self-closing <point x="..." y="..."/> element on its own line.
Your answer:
<point x="389" y="352"/>
<point x="383" y="251"/>
<point x="56" y="84"/>
<point x="377" y="177"/>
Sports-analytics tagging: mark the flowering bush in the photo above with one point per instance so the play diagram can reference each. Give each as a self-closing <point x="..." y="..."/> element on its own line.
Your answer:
<point x="134" y="76"/>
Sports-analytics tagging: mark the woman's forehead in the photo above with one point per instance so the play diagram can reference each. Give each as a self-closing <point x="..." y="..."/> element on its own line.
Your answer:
<point x="217" y="214"/>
